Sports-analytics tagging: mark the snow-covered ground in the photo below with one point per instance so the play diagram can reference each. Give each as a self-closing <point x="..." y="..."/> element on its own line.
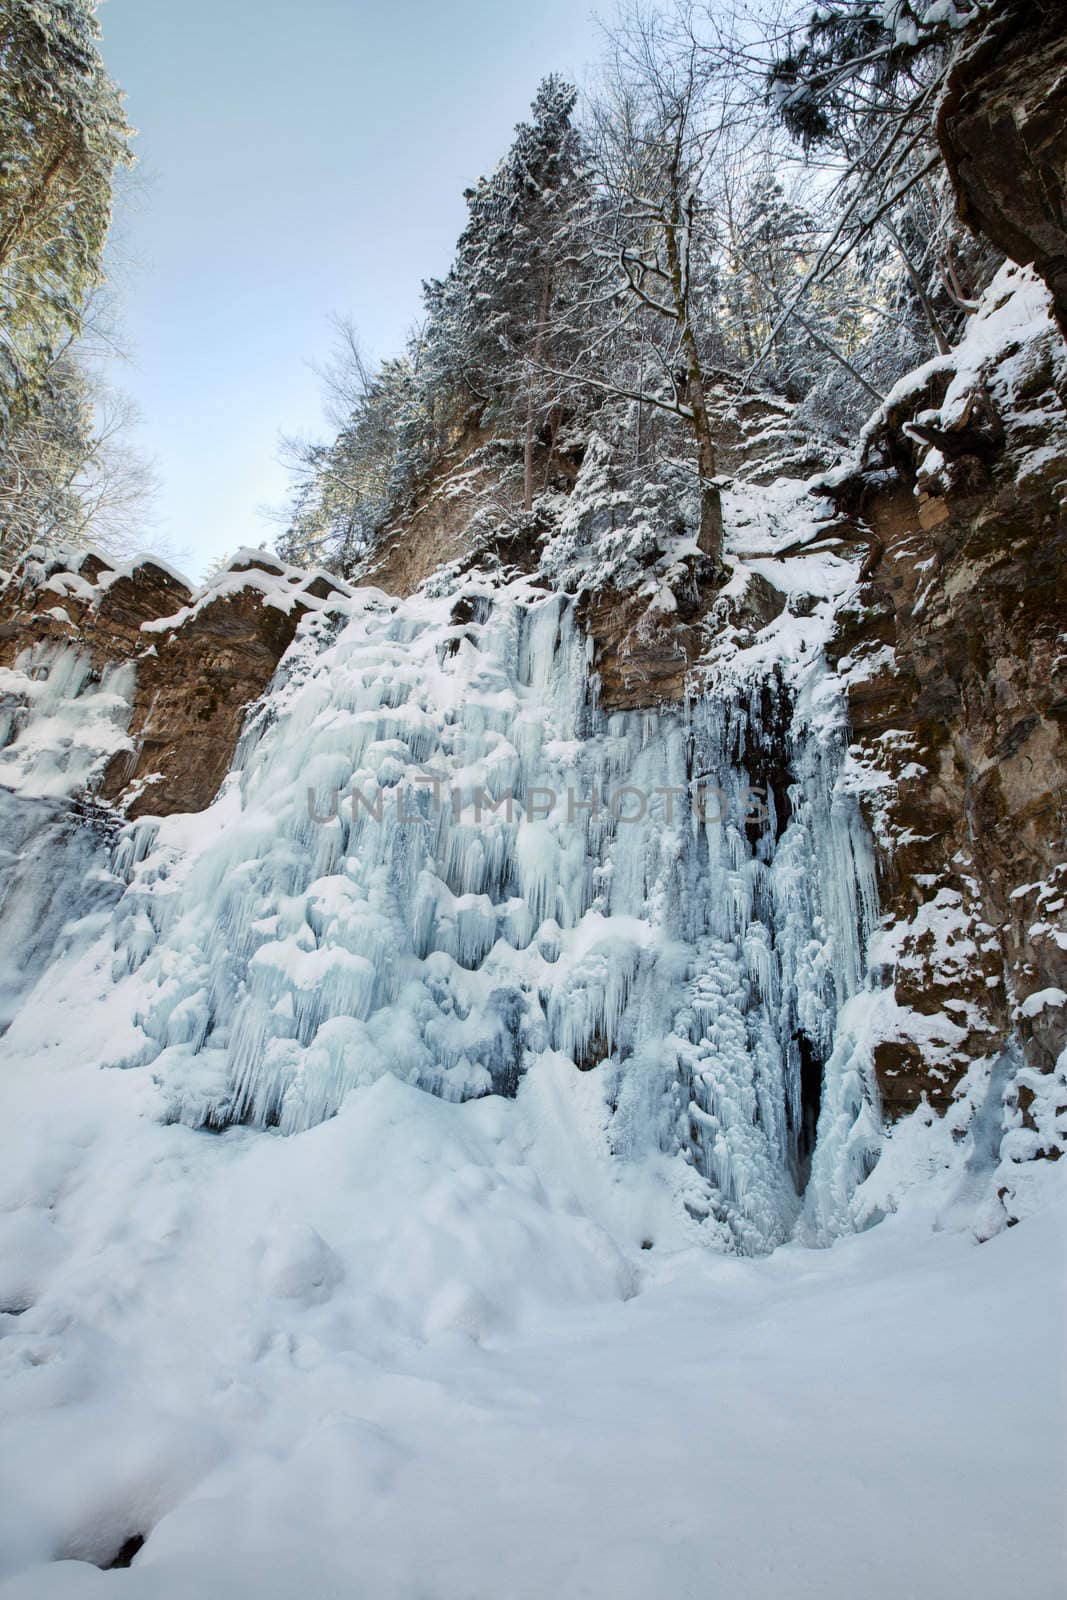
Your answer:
<point x="415" y="1352"/>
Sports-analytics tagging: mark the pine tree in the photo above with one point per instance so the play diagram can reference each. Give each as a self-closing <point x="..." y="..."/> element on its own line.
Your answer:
<point x="64" y="473"/>
<point x="62" y="132"/>
<point x="491" y="334"/>
<point x="861" y="82"/>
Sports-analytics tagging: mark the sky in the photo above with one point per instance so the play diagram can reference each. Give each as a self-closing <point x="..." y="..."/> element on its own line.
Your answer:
<point x="296" y="158"/>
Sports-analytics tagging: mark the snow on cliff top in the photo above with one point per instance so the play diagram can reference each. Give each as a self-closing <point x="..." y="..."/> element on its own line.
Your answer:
<point x="86" y="574"/>
<point x="280" y="585"/>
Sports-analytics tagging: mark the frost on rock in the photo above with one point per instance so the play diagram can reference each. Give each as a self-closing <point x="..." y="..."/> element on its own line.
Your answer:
<point x="438" y="858"/>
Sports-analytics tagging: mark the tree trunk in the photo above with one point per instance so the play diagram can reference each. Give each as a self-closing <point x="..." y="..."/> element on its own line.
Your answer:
<point x="940" y="339"/>
<point x="20" y="223"/>
<point x="710" y="537"/>
<point x="531" y="412"/>
<point x="527" y="454"/>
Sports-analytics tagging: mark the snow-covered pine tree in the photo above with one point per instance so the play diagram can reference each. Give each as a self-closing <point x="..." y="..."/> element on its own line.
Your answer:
<point x="62" y="134"/>
<point x="496" y="326"/>
<point x="860" y="83"/>
<point x="494" y="321"/>
<point x="766" y="252"/>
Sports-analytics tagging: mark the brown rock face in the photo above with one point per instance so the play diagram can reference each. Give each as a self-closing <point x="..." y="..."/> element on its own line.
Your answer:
<point x="194" y="680"/>
<point x="467" y="510"/>
<point x="958" y="697"/>
<point x="1003" y="132"/>
<point x="434" y="529"/>
<point x="191" y="700"/>
<point x="642" y="653"/>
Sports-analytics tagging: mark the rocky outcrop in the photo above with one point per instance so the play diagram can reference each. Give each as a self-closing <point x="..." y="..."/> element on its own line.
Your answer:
<point x="956" y="664"/>
<point x="200" y="657"/>
<point x="1002" y="128"/>
<point x="652" y="604"/>
<point x="644" y="646"/>
<point x="467" y="512"/>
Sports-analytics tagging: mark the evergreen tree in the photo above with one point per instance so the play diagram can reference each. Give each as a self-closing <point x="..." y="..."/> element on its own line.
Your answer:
<point x="485" y="355"/>
<point x="65" y="475"/>
<point x="492" y="329"/>
<point x="861" y="83"/>
<point x="346" y="491"/>
<point x="62" y="133"/>
<point x="863" y="59"/>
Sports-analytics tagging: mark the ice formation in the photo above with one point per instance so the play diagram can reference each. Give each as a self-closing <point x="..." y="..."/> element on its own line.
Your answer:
<point x="58" y="723"/>
<point x="437" y="857"/>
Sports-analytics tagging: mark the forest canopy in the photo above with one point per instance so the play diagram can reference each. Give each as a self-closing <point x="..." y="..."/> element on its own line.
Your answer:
<point x="738" y="206"/>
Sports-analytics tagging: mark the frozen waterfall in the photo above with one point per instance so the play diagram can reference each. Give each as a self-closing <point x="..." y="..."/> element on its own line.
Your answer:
<point x="437" y="857"/>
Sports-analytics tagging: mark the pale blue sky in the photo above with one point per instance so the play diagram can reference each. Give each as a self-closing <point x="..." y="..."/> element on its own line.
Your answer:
<point x="298" y="157"/>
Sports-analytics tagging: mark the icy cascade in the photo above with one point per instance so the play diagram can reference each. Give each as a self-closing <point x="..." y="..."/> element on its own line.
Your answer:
<point x="60" y="720"/>
<point x="437" y="858"/>
<point x="59" y="723"/>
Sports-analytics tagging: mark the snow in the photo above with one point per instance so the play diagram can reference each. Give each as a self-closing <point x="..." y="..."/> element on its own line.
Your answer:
<point x="451" y="1344"/>
<point x="419" y="1351"/>
<point x="59" y="721"/>
<point x="279" y="585"/>
<point x="59" y="572"/>
<point x="1007" y="344"/>
<point x="114" y="570"/>
<point x="1043" y="999"/>
<point x="435" y="859"/>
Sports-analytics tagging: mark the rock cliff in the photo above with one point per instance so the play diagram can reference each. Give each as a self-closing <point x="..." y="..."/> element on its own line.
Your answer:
<point x="199" y="658"/>
<point x="946" y="640"/>
<point x="1002" y="127"/>
<point x="954" y="654"/>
